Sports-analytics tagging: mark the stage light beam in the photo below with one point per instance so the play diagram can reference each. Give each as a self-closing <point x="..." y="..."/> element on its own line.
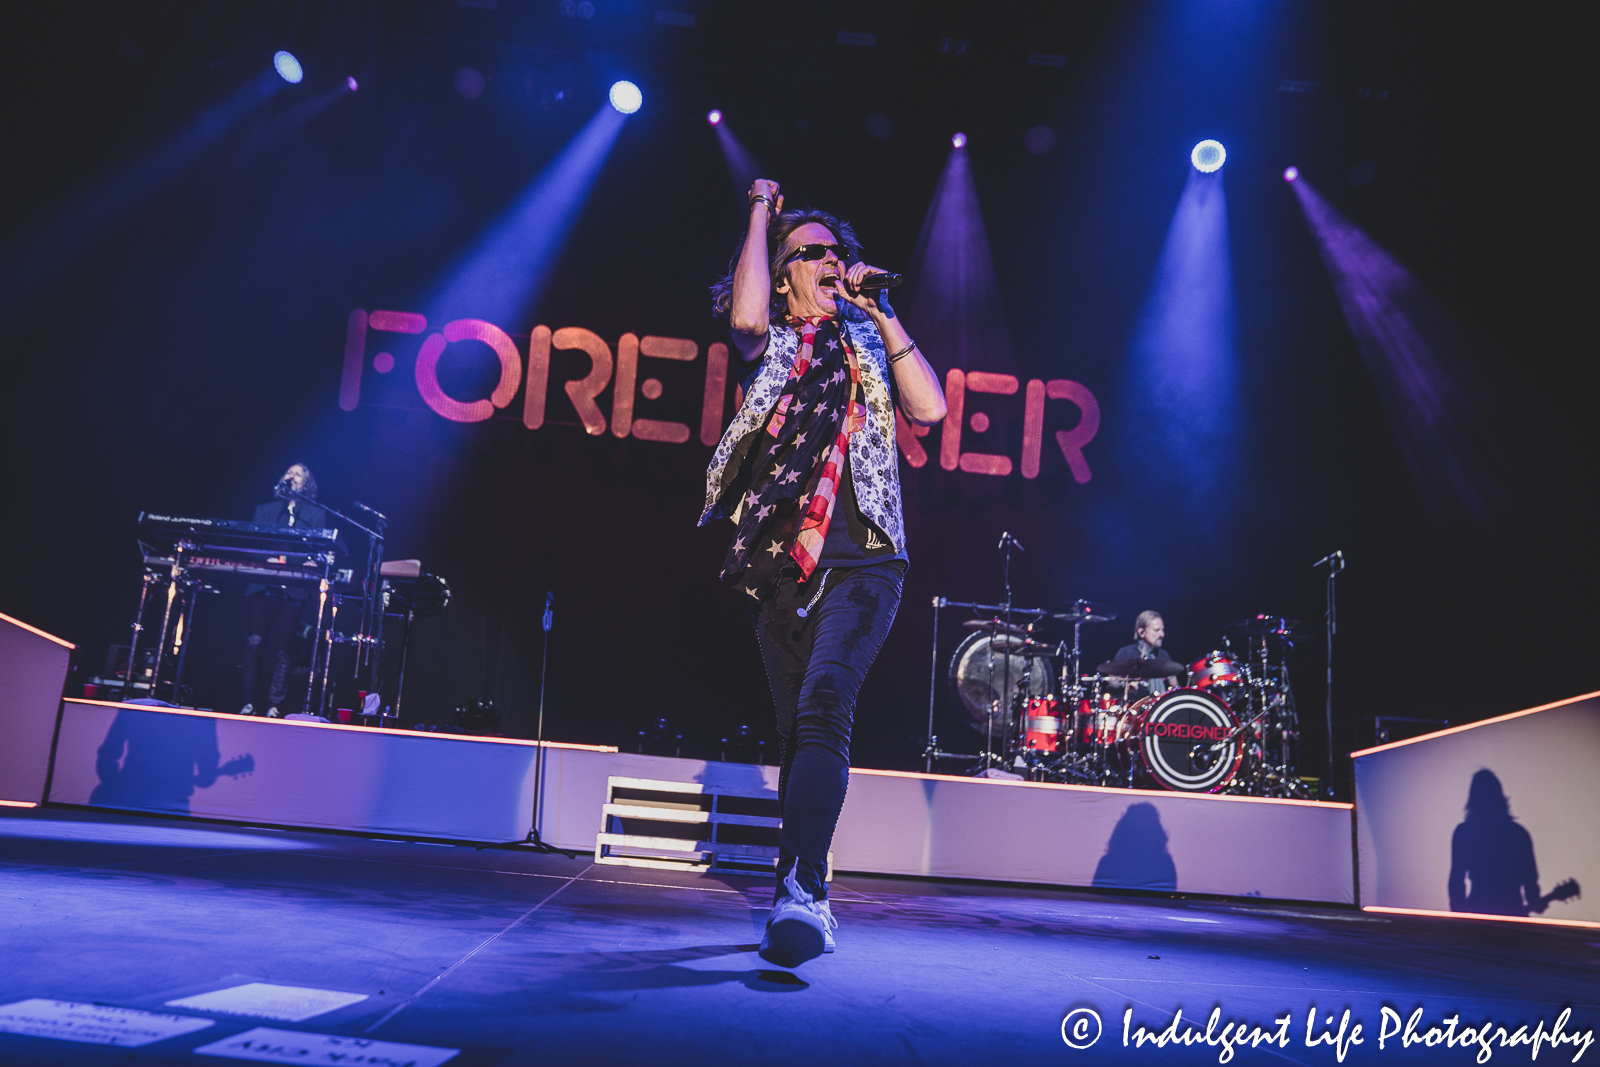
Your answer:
<point x="288" y="67"/>
<point x="743" y="168"/>
<point x="955" y="293"/>
<point x="959" y="141"/>
<point x="503" y="276"/>
<point x="1291" y="173"/>
<point x="1208" y="156"/>
<point x="1182" y="375"/>
<point x="626" y="97"/>
<point x="36" y="259"/>
<point x="714" y="117"/>
<point x="1447" y="415"/>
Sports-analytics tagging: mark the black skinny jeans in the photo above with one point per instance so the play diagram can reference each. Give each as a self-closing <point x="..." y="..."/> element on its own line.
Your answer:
<point x="815" y="666"/>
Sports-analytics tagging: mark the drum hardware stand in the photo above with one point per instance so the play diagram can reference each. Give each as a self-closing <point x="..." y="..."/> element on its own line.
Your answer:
<point x="1005" y="695"/>
<point x="533" y="839"/>
<point x="1335" y="563"/>
<point x="931" y="751"/>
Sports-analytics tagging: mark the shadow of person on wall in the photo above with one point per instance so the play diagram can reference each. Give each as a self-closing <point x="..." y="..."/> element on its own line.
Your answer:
<point x="1492" y="871"/>
<point x="153" y="762"/>
<point x="1136" y="856"/>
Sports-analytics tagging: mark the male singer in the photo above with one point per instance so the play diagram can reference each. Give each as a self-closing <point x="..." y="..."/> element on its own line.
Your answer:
<point x="809" y="475"/>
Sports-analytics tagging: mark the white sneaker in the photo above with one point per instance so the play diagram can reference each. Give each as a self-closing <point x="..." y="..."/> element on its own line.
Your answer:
<point x="274" y="713"/>
<point x="800" y="927"/>
<point x="248" y="709"/>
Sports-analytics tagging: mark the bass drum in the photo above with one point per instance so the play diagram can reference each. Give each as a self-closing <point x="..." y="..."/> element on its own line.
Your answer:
<point x="1185" y="740"/>
<point x="983" y="667"/>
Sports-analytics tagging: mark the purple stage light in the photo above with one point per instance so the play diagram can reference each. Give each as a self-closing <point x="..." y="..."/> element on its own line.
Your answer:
<point x="1446" y="416"/>
<point x="288" y="67"/>
<point x="743" y="168"/>
<point x="351" y="83"/>
<point x="626" y="97"/>
<point x="1208" y="156"/>
<point x="959" y="141"/>
<point x="1291" y="173"/>
<point x="714" y="117"/>
<point x="955" y="292"/>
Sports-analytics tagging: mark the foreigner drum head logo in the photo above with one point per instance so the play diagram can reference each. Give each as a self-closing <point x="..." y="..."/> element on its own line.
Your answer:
<point x="1189" y="740"/>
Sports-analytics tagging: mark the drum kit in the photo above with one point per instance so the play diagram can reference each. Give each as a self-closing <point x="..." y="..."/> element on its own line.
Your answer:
<point x="1229" y="727"/>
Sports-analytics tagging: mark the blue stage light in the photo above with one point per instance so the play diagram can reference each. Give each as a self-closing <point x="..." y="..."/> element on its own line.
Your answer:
<point x="288" y="67"/>
<point x="351" y="83"/>
<point x="1208" y="156"/>
<point x="959" y="140"/>
<point x="1291" y="173"/>
<point x="626" y="97"/>
<point x="714" y="117"/>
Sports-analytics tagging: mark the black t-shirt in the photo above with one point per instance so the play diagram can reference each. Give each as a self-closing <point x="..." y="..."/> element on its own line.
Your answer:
<point x="853" y="541"/>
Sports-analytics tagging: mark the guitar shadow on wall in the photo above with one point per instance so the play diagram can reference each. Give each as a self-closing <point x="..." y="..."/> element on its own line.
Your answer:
<point x="154" y="762"/>
<point x="1492" y="867"/>
<point x="1136" y="857"/>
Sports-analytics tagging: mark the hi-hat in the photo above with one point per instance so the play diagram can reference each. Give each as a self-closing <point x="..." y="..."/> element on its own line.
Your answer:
<point x="1085" y="611"/>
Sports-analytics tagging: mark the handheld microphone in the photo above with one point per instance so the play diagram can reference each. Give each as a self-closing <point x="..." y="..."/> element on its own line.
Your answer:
<point x="879" y="281"/>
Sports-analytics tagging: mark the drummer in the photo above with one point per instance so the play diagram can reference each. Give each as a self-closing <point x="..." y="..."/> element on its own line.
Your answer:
<point x="1148" y="633"/>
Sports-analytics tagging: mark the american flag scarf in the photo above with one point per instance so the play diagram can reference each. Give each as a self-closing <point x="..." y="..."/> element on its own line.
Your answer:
<point x="791" y="479"/>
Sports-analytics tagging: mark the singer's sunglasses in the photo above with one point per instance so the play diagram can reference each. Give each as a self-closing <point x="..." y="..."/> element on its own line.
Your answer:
<point x="812" y="253"/>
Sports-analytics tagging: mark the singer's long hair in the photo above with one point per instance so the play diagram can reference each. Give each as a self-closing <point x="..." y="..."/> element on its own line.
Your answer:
<point x="777" y="236"/>
<point x="311" y="481"/>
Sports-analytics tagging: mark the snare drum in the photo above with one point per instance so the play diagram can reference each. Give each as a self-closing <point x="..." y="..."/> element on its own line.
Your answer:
<point x="1102" y="720"/>
<point x="1044" y="724"/>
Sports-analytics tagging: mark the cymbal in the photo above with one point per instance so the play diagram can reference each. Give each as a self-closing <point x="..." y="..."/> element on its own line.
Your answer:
<point x="1020" y="646"/>
<point x="1085" y="611"/>
<point x="995" y="626"/>
<point x="1260" y="625"/>
<point x="1140" y="668"/>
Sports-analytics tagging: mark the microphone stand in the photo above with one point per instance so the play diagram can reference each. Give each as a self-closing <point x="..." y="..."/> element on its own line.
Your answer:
<point x="1334" y="561"/>
<point x="534" y="840"/>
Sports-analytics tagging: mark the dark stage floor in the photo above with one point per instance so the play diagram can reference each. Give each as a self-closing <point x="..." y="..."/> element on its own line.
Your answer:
<point x="519" y="958"/>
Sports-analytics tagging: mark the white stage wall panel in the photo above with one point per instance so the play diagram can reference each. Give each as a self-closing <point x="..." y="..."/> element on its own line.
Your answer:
<point x="33" y="670"/>
<point x="291" y="773"/>
<point x="444" y="786"/>
<point x="946" y="827"/>
<point x="1411" y="798"/>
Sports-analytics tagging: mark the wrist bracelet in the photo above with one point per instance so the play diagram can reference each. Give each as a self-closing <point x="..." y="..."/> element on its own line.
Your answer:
<point x="904" y="352"/>
<point x="761" y="199"/>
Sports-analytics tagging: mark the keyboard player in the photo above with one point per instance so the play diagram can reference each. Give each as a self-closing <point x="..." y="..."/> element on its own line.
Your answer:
<point x="274" y="610"/>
